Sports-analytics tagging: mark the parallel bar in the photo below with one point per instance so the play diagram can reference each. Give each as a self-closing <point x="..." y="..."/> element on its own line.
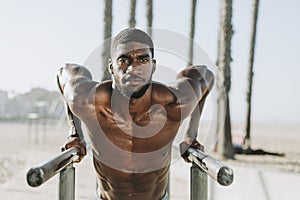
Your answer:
<point x="67" y="183"/>
<point x="168" y="185"/>
<point x="213" y="167"/>
<point x="42" y="172"/>
<point x="198" y="183"/>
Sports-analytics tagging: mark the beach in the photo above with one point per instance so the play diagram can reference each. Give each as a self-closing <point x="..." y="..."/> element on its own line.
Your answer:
<point x="20" y="150"/>
<point x="276" y="138"/>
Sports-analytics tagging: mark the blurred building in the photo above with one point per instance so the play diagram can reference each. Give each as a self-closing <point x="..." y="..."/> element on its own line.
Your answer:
<point x="44" y="103"/>
<point x="3" y="100"/>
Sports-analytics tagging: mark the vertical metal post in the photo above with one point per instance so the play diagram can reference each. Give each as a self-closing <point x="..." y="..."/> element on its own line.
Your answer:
<point x="198" y="183"/>
<point x="29" y="129"/>
<point x="45" y="121"/>
<point x="168" y="185"/>
<point x="37" y="131"/>
<point x="67" y="183"/>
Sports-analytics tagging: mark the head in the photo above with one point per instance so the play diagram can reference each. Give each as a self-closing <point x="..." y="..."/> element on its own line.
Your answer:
<point x="131" y="64"/>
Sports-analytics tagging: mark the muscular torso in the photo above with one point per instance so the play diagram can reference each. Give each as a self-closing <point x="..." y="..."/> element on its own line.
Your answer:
<point x="132" y="142"/>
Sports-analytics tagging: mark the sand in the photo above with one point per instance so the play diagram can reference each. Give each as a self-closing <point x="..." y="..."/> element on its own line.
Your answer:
<point x="277" y="138"/>
<point x="21" y="146"/>
<point x="20" y="151"/>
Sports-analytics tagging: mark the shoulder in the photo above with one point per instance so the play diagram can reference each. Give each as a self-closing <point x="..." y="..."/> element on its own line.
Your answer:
<point x="95" y="92"/>
<point x="85" y="104"/>
<point x="162" y="94"/>
<point x="103" y="92"/>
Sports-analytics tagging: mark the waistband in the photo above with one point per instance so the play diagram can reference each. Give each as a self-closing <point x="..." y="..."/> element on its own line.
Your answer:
<point x="165" y="197"/>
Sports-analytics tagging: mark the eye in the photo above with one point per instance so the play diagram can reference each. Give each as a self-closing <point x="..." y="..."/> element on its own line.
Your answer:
<point x="123" y="61"/>
<point x="144" y="60"/>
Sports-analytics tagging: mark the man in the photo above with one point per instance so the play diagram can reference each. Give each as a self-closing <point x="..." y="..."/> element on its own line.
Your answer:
<point x="131" y="121"/>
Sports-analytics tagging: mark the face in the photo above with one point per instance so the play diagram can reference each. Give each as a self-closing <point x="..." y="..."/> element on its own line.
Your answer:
<point x="132" y="67"/>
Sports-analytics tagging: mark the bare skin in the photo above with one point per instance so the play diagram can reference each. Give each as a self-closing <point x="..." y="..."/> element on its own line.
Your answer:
<point x="135" y="116"/>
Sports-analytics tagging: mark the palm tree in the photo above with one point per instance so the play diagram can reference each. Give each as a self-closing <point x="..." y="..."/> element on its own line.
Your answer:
<point x="149" y="16"/>
<point x="192" y="30"/>
<point x="224" y="60"/>
<point x="132" y="20"/>
<point x="107" y="38"/>
<point x="195" y="116"/>
<point x="250" y="72"/>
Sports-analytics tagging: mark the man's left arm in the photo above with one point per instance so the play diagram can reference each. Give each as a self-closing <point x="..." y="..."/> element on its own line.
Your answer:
<point x="202" y="80"/>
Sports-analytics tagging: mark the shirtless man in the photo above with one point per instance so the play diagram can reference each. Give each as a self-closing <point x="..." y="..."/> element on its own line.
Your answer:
<point x="131" y="121"/>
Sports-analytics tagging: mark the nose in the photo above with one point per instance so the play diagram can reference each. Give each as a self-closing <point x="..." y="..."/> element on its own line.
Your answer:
<point x="134" y="68"/>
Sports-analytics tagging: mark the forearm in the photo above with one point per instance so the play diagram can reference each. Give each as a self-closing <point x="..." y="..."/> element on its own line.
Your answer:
<point x="74" y="124"/>
<point x="190" y="137"/>
<point x="193" y="127"/>
<point x="75" y="138"/>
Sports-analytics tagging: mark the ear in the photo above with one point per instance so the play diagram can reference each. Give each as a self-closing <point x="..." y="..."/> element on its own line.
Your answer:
<point x="110" y="66"/>
<point x="153" y="66"/>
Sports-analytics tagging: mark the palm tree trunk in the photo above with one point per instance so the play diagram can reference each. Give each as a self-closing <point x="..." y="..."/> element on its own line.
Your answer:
<point x="149" y="16"/>
<point x="224" y="60"/>
<point x="196" y="114"/>
<point x="219" y="85"/>
<point x="192" y="31"/>
<point x="132" y="20"/>
<point x="250" y="72"/>
<point x="107" y="38"/>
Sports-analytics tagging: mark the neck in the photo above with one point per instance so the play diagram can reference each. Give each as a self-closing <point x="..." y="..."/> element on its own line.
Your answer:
<point x="138" y="94"/>
<point x="138" y="102"/>
<point x="131" y="95"/>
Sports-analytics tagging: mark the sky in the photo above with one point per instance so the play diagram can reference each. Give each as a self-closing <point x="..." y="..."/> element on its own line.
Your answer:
<point x="38" y="37"/>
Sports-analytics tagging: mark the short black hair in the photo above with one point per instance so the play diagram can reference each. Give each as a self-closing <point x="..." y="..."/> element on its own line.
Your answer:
<point x="131" y="35"/>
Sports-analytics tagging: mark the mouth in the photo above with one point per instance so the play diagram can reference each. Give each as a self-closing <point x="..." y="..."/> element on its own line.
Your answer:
<point x="134" y="80"/>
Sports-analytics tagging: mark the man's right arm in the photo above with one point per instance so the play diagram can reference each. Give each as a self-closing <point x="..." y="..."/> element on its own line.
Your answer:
<point x="74" y="82"/>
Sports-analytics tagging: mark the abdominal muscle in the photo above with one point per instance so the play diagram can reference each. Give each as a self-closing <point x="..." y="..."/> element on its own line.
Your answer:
<point x="116" y="184"/>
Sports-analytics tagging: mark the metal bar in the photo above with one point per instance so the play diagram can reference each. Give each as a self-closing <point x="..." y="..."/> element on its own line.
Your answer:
<point x="198" y="185"/>
<point x="42" y="172"/>
<point x="216" y="169"/>
<point x="67" y="183"/>
<point x="213" y="167"/>
<point x="168" y="185"/>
